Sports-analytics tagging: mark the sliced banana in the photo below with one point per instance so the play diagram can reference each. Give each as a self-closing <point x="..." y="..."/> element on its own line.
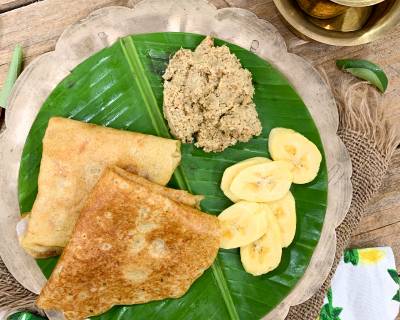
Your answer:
<point x="285" y="212"/>
<point x="263" y="182"/>
<point x="241" y="224"/>
<point x="231" y="172"/>
<point x="264" y="254"/>
<point x="287" y="144"/>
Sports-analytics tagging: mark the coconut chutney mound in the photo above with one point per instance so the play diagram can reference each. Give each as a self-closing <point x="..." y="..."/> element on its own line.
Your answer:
<point x="208" y="98"/>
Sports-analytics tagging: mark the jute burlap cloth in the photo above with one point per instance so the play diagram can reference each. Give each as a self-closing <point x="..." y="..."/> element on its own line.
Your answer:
<point x="370" y="140"/>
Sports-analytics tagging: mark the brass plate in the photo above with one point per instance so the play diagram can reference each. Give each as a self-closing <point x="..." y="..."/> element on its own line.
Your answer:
<point x="384" y="18"/>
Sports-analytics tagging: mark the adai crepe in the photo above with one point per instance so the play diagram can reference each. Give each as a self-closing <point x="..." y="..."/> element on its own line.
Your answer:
<point x="180" y="196"/>
<point x="131" y="245"/>
<point x="74" y="156"/>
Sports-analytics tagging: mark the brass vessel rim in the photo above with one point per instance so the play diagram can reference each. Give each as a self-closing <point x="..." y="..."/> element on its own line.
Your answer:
<point x="357" y="3"/>
<point x="296" y="19"/>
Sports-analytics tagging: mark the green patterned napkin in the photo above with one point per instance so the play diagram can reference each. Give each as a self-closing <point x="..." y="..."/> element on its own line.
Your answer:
<point x="365" y="286"/>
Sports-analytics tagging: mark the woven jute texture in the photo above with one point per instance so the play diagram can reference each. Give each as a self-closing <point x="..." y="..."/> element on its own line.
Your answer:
<point x="13" y="296"/>
<point x="370" y="141"/>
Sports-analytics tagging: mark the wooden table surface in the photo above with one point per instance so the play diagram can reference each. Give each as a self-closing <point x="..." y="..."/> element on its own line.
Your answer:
<point x="36" y="25"/>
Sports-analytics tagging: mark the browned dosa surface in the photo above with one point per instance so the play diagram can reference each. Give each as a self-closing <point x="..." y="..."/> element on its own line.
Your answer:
<point x="180" y="196"/>
<point x="74" y="156"/>
<point x="130" y="245"/>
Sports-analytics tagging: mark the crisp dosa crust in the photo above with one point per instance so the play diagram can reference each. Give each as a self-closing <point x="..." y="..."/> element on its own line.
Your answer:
<point x="180" y="196"/>
<point x="74" y="156"/>
<point x="129" y="246"/>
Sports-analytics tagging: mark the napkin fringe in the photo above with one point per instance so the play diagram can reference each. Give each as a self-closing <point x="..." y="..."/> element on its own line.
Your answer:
<point x="360" y="111"/>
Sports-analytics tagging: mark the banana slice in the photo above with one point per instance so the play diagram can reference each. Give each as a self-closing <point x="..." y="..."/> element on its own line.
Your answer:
<point x="264" y="254"/>
<point x="263" y="182"/>
<point x="287" y="144"/>
<point x="241" y="224"/>
<point x="231" y="172"/>
<point x="285" y="212"/>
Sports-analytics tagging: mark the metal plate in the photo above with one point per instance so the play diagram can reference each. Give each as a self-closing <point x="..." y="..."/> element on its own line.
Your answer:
<point x="105" y="26"/>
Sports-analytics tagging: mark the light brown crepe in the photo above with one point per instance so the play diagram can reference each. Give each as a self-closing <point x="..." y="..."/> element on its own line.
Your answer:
<point x="180" y="196"/>
<point x="74" y="155"/>
<point x="130" y="245"/>
<point x="176" y="195"/>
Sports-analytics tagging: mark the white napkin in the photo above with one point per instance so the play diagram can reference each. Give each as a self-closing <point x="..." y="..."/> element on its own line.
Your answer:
<point x="364" y="287"/>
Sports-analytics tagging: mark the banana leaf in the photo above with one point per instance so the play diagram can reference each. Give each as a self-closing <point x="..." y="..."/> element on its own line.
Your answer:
<point x="24" y="316"/>
<point x="121" y="87"/>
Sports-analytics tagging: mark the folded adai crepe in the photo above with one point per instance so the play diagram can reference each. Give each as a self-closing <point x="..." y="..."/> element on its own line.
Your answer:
<point x="180" y="196"/>
<point x="74" y="156"/>
<point x="131" y="244"/>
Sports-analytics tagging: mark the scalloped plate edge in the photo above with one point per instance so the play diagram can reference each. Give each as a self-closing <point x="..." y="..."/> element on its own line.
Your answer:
<point x="239" y="26"/>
